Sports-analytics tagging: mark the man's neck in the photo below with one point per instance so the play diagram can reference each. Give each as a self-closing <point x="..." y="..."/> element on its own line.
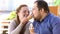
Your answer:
<point x="43" y="16"/>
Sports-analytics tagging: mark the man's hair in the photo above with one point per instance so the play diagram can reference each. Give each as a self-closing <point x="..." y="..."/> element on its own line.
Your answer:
<point x="42" y="4"/>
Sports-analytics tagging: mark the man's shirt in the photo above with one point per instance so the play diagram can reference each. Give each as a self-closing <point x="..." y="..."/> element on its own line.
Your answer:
<point x="49" y="25"/>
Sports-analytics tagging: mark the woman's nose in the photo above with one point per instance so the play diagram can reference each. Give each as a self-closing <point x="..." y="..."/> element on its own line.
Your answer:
<point x="27" y="13"/>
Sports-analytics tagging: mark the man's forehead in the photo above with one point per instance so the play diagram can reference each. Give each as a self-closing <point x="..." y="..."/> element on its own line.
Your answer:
<point x="35" y="5"/>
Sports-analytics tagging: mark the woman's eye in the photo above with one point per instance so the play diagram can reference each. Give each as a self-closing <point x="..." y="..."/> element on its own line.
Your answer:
<point x="28" y="12"/>
<point x="24" y="11"/>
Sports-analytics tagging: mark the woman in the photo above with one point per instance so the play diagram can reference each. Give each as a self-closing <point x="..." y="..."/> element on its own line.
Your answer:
<point x="20" y="25"/>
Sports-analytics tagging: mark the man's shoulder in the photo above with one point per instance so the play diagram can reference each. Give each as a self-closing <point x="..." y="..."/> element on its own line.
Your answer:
<point x="55" y="19"/>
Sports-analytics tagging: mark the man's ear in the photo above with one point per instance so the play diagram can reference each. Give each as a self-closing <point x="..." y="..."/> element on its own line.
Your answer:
<point x="42" y="9"/>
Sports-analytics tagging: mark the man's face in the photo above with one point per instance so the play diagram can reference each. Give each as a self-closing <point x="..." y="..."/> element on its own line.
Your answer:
<point x="36" y="12"/>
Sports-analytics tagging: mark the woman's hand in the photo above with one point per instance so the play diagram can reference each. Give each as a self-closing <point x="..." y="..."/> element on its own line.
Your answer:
<point x="24" y="20"/>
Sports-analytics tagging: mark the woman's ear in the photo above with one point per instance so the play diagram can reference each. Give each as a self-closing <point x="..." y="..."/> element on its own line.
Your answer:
<point x="18" y="14"/>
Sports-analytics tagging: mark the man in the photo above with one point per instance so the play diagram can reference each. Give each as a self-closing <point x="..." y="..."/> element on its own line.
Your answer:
<point x="44" y="21"/>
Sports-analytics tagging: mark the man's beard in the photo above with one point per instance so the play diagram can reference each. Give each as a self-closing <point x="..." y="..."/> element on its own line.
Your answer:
<point x="37" y="19"/>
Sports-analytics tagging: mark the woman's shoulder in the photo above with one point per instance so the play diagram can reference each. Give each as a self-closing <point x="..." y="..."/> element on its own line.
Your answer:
<point x="12" y="22"/>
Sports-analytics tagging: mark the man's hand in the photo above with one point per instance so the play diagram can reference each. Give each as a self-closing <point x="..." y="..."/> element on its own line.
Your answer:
<point x="31" y="29"/>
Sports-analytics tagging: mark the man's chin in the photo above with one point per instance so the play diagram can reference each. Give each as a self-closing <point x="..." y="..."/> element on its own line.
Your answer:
<point x="37" y="19"/>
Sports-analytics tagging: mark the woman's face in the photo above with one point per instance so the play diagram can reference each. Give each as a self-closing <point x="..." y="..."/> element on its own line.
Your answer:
<point x="23" y="12"/>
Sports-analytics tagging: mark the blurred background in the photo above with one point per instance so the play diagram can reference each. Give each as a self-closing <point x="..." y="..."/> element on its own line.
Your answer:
<point x="8" y="9"/>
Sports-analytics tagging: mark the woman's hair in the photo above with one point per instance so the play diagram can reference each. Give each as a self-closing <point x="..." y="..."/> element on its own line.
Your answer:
<point x="17" y="11"/>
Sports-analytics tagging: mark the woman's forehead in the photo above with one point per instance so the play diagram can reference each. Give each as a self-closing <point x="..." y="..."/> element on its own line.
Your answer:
<point x="24" y="8"/>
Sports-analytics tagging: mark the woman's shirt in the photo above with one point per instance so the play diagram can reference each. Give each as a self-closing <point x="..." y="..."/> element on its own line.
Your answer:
<point x="14" y="28"/>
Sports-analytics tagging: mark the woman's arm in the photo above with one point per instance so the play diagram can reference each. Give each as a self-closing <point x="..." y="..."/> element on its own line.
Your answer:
<point x="14" y="29"/>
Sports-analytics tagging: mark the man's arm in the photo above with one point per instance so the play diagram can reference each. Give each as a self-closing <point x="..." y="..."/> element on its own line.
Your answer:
<point x="56" y="28"/>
